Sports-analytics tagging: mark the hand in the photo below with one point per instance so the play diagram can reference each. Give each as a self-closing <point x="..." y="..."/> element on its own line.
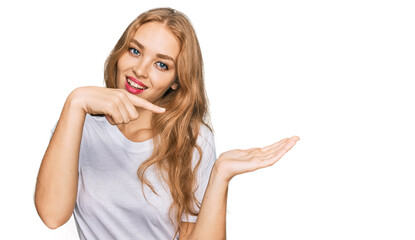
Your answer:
<point x="118" y="105"/>
<point x="234" y="162"/>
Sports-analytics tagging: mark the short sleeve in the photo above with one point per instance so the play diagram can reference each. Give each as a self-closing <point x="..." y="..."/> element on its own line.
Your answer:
<point x="207" y="145"/>
<point x="53" y="130"/>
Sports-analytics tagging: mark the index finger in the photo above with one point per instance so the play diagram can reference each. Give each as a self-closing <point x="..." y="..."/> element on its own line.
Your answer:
<point x="276" y="156"/>
<point x="293" y="138"/>
<point x="140" y="102"/>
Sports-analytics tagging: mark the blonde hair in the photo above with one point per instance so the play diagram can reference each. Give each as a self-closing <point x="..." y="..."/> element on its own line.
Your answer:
<point x="175" y="131"/>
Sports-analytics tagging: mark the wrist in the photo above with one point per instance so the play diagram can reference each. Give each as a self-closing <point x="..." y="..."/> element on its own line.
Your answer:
<point x="73" y="102"/>
<point x="219" y="173"/>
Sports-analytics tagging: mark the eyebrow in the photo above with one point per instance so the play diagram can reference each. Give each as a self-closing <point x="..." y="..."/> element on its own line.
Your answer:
<point x="159" y="55"/>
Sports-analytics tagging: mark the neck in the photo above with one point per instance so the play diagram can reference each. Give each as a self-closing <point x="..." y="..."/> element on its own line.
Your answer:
<point x="138" y="130"/>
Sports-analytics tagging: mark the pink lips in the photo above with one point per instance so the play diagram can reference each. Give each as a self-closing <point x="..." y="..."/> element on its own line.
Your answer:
<point x="131" y="89"/>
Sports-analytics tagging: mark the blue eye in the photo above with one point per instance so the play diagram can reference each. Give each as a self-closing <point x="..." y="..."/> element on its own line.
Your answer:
<point x="162" y="65"/>
<point x="134" y="51"/>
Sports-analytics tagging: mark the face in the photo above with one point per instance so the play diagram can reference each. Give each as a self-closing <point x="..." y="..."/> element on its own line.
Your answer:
<point x="148" y="68"/>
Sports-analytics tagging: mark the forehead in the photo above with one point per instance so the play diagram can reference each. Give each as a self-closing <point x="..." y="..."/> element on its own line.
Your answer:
<point x="157" y="39"/>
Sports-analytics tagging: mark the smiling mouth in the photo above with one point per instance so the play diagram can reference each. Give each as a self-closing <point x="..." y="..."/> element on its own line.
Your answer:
<point x="135" y="85"/>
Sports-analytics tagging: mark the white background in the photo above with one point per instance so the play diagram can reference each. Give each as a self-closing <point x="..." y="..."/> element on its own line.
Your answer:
<point x="339" y="74"/>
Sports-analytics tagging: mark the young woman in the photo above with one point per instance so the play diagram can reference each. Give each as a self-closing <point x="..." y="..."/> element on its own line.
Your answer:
<point x="136" y="160"/>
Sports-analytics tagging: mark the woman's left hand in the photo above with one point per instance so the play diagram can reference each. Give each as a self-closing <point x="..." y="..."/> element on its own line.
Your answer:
<point x="234" y="162"/>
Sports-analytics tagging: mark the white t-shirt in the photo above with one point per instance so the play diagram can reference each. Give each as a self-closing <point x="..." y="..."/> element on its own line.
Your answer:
<point x="110" y="203"/>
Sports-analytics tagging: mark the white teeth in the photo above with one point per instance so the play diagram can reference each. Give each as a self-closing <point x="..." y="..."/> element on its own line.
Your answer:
<point x="135" y="85"/>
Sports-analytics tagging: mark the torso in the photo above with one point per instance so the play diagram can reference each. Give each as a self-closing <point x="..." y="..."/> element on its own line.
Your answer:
<point x="110" y="202"/>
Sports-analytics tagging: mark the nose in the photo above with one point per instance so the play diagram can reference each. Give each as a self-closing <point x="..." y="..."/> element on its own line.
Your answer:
<point x="141" y="68"/>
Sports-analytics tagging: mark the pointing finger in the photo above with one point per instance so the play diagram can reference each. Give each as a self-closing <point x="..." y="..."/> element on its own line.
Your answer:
<point x="140" y="102"/>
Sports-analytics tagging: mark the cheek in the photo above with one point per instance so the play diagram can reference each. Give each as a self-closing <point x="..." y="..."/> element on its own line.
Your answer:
<point x="122" y="63"/>
<point x="163" y="80"/>
<point x="122" y="66"/>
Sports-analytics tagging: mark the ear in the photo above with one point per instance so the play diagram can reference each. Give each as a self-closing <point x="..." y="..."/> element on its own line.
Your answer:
<point x="175" y="86"/>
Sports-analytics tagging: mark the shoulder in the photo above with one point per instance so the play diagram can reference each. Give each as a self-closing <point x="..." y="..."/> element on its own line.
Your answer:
<point x="95" y="121"/>
<point x="96" y="125"/>
<point x="205" y="137"/>
<point x="205" y="141"/>
<point x="91" y="121"/>
<point x="96" y="118"/>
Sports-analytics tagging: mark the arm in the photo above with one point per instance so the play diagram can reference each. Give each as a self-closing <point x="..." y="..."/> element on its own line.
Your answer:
<point x="57" y="182"/>
<point x="211" y="222"/>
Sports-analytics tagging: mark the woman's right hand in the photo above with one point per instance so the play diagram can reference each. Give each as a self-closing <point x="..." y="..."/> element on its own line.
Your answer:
<point x="57" y="182"/>
<point x="118" y="105"/>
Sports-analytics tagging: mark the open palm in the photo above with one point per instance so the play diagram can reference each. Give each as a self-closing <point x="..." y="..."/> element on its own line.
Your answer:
<point x="238" y="161"/>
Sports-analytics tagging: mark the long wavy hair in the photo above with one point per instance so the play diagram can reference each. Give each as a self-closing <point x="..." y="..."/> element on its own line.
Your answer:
<point x="175" y="131"/>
